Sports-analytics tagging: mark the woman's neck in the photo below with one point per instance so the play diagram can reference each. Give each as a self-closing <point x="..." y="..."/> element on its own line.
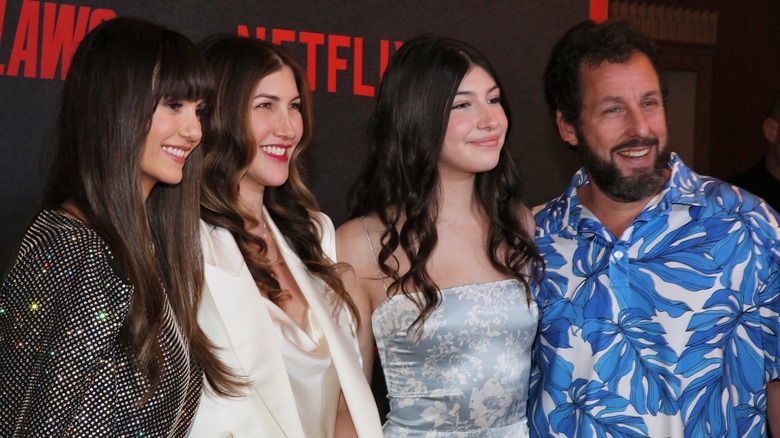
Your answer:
<point x="69" y="209"/>
<point x="251" y="197"/>
<point x="457" y="197"/>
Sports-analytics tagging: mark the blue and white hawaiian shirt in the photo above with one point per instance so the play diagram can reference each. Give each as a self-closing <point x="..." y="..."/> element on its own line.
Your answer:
<point x="670" y="330"/>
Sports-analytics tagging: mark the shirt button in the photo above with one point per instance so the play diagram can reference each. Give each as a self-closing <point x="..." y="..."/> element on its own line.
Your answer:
<point x="618" y="255"/>
<point x="226" y="434"/>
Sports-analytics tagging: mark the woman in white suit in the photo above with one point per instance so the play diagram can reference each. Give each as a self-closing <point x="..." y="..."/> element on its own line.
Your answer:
<point x="273" y="304"/>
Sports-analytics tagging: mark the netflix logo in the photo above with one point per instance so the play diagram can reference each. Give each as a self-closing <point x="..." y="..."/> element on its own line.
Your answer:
<point x="345" y="55"/>
<point x="47" y="34"/>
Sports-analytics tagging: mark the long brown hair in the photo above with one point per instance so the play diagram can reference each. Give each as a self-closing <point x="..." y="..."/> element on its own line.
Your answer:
<point x="119" y="73"/>
<point x="239" y="64"/>
<point x="400" y="180"/>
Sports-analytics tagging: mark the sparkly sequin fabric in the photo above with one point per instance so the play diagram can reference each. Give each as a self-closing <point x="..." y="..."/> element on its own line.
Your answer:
<point x="62" y="370"/>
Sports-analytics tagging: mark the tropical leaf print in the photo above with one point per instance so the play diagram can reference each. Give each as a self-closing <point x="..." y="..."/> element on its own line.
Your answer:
<point x="671" y="329"/>
<point x="595" y="412"/>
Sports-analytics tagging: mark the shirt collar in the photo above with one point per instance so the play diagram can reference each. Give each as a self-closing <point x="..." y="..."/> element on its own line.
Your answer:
<point x="682" y="187"/>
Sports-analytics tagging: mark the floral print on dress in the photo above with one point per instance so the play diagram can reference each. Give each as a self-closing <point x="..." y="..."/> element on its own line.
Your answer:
<point x="466" y="373"/>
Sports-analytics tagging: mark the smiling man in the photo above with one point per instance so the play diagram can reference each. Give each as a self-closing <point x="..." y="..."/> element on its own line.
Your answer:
<point x="659" y="304"/>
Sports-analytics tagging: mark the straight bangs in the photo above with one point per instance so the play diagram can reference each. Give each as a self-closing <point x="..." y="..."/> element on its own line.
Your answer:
<point x="182" y="71"/>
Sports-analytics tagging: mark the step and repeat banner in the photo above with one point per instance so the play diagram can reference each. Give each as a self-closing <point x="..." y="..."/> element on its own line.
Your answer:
<point x="344" y="46"/>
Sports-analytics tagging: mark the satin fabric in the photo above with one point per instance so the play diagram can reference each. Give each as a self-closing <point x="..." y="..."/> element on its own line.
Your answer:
<point x="233" y="315"/>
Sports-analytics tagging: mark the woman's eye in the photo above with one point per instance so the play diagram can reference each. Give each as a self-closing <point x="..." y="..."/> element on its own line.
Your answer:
<point x="263" y="105"/>
<point x="494" y="100"/>
<point x="461" y="105"/>
<point x="295" y="106"/>
<point x="173" y="104"/>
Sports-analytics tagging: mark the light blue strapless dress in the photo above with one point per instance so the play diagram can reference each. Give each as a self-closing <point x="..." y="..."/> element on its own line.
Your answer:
<point x="467" y="375"/>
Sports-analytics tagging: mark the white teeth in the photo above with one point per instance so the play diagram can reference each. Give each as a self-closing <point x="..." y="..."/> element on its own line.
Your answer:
<point x="635" y="154"/>
<point x="273" y="150"/>
<point x="174" y="151"/>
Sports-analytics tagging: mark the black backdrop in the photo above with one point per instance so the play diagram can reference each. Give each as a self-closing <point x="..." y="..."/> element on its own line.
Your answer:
<point x="342" y="44"/>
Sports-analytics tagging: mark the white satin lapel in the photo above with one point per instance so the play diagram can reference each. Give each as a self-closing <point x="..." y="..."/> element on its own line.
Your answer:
<point x="342" y="348"/>
<point x="246" y="322"/>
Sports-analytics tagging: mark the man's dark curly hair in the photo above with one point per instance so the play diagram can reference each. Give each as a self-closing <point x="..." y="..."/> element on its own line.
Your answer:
<point x="590" y="44"/>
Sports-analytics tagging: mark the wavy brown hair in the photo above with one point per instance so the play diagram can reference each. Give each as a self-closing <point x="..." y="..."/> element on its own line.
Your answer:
<point x="239" y="64"/>
<point x="400" y="181"/>
<point x="118" y="75"/>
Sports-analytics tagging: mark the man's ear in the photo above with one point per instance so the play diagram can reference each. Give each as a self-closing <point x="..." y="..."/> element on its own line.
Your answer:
<point x="770" y="130"/>
<point x="565" y="129"/>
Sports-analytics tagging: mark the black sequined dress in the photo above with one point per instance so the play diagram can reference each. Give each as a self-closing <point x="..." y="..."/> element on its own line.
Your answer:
<point x="62" y="370"/>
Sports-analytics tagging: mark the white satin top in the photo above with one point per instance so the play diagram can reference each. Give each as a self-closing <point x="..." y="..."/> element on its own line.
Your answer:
<point x="310" y="367"/>
<point x="277" y="358"/>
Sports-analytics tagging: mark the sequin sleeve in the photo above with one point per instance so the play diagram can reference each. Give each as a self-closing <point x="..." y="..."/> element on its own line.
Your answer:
<point x="61" y="308"/>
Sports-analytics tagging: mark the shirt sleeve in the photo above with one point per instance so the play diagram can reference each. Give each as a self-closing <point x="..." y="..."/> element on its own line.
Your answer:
<point x="63" y="305"/>
<point x="769" y="245"/>
<point x="770" y="316"/>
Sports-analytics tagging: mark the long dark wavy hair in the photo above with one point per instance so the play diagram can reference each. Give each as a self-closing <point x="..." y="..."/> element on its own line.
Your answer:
<point x="400" y="181"/>
<point x="118" y="75"/>
<point x="239" y="64"/>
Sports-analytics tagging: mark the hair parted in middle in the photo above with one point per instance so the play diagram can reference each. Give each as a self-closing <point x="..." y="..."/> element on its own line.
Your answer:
<point x="239" y="64"/>
<point x="399" y="181"/>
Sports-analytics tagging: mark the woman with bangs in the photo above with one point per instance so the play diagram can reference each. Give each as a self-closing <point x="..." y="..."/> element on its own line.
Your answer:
<point x="441" y="246"/>
<point x="98" y="321"/>
<point x="273" y="301"/>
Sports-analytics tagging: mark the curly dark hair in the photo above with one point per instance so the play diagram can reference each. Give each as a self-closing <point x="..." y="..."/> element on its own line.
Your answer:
<point x="400" y="181"/>
<point x="590" y="44"/>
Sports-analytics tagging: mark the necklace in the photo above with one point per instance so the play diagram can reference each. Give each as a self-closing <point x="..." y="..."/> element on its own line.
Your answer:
<point x="264" y="230"/>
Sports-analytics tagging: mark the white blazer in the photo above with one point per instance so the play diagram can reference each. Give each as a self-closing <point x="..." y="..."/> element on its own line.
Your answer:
<point x="236" y="320"/>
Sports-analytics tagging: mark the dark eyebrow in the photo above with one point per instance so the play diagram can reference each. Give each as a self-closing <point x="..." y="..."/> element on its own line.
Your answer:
<point x="267" y="96"/>
<point x="460" y="93"/>
<point x="618" y="99"/>
<point x="272" y="97"/>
